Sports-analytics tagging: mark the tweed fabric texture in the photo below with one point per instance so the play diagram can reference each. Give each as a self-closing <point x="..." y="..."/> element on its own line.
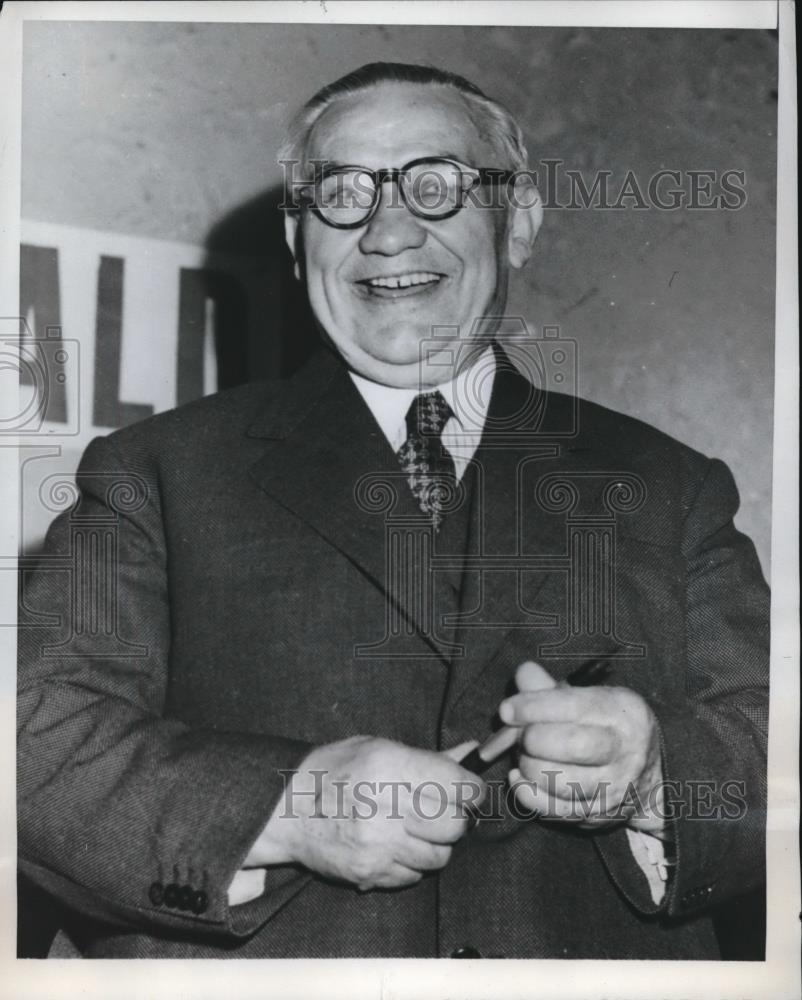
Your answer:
<point x="254" y="603"/>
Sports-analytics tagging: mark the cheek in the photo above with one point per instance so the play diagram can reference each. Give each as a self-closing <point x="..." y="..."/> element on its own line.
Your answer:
<point x="324" y="251"/>
<point x="318" y="260"/>
<point x="481" y="245"/>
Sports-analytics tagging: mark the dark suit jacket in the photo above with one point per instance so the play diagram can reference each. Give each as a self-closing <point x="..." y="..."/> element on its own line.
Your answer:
<point x="245" y="554"/>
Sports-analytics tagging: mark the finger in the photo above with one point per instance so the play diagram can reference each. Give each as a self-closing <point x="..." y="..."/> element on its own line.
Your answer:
<point x="436" y="829"/>
<point x="422" y="856"/>
<point x="527" y="794"/>
<point x="530" y="676"/>
<point x="535" y="801"/>
<point x="572" y="783"/>
<point x="568" y="743"/>
<point x="445" y="777"/>
<point x="462" y="789"/>
<point x="397" y="876"/>
<point x="561" y="704"/>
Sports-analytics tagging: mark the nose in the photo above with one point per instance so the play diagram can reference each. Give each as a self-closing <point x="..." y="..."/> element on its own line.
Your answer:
<point x="393" y="227"/>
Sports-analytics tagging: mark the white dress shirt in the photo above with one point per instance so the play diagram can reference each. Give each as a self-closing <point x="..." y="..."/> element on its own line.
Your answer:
<point x="467" y="395"/>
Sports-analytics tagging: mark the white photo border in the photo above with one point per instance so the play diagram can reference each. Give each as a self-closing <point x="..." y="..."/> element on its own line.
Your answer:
<point x="351" y="979"/>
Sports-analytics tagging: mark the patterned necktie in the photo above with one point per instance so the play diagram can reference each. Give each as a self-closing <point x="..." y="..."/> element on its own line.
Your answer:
<point x="428" y="466"/>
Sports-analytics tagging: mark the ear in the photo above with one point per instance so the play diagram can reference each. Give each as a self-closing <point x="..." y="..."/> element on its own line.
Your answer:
<point x="526" y="208"/>
<point x="291" y="234"/>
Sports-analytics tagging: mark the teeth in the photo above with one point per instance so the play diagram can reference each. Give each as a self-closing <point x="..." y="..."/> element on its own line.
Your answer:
<point x="403" y="280"/>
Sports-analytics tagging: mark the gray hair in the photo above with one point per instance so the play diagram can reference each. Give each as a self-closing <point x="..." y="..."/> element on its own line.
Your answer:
<point x="494" y="123"/>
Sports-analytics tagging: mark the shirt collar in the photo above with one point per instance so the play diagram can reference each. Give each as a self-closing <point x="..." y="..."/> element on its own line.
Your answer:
<point x="468" y="397"/>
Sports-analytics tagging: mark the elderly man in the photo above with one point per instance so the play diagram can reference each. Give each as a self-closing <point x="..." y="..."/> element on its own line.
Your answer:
<point x="329" y="588"/>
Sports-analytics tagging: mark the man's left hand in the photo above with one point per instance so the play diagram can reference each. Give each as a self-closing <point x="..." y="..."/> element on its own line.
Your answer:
<point x="589" y="756"/>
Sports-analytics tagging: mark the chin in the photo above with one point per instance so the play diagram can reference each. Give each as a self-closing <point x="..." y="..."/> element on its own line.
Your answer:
<point x="397" y="347"/>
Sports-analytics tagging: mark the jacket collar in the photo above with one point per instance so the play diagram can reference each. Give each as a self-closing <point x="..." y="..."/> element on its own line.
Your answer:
<point x="291" y="400"/>
<point x="329" y="463"/>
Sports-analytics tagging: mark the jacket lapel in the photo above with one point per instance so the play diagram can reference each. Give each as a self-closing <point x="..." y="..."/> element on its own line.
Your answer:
<point x="497" y="600"/>
<point x="330" y="464"/>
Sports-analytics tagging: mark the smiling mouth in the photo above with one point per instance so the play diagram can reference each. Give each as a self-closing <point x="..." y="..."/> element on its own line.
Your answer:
<point x="397" y="285"/>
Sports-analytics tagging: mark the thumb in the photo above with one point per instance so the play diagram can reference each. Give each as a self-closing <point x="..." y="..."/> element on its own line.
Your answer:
<point x="530" y="676"/>
<point x="461" y="750"/>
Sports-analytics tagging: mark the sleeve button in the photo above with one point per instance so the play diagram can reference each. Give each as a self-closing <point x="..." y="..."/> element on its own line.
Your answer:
<point x="466" y="951"/>
<point x="200" y="903"/>
<point x="156" y="893"/>
<point x="171" y="896"/>
<point x="186" y="897"/>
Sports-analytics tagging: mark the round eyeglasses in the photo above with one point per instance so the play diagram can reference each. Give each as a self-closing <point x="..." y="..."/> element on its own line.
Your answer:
<point x="347" y="197"/>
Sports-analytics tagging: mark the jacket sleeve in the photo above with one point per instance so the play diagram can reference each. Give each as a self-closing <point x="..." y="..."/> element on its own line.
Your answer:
<point x="713" y="743"/>
<point x="129" y="816"/>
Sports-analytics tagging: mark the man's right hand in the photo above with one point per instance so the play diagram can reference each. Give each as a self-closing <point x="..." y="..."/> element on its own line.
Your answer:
<point x="371" y="812"/>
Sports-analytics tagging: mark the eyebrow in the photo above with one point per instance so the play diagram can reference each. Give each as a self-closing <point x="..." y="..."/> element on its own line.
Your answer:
<point x="451" y="156"/>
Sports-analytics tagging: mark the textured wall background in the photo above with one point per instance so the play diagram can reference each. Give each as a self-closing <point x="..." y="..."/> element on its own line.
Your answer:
<point x="170" y="131"/>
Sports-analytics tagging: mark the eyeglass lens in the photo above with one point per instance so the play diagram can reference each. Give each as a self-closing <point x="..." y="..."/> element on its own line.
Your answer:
<point x="430" y="189"/>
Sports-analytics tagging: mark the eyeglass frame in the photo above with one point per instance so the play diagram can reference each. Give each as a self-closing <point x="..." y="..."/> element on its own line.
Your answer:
<point x="483" y="175"/>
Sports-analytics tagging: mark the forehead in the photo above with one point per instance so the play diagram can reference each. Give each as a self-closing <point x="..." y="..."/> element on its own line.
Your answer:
<point x="392" y="123"/>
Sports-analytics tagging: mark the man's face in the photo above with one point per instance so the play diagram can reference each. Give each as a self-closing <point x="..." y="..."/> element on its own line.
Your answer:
<point x="459" y="264"/>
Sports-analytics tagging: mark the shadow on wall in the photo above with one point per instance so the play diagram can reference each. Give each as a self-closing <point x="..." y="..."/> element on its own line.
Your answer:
<point x="267" y="345"/>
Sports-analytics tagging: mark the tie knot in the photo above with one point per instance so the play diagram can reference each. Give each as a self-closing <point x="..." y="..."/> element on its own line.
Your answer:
<point x="428" y="414"/>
